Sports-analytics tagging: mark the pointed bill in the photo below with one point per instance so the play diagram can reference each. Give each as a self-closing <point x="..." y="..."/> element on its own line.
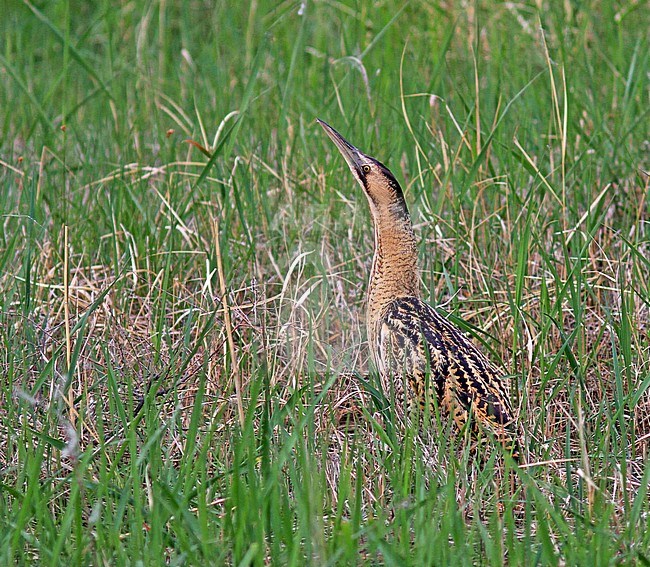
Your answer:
<point x="354" y="158"/>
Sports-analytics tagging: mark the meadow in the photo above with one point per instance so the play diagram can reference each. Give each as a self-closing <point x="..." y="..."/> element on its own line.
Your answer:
<point x="184" y="255"/>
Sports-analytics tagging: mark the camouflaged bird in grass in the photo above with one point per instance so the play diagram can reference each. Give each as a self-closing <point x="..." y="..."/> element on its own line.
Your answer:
<point x="422" y="358"/>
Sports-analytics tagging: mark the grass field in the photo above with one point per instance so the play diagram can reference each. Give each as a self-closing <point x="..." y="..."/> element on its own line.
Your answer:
<point x="177" y="329"/>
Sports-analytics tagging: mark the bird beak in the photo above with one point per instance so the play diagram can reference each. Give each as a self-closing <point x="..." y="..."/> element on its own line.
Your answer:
<point x="352" y="155"/>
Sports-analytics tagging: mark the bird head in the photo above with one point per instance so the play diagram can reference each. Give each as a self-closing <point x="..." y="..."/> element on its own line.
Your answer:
<point x="379" y="184"/>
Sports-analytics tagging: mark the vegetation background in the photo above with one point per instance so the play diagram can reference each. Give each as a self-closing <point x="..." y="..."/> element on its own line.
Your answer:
<point x="177" y="330"/>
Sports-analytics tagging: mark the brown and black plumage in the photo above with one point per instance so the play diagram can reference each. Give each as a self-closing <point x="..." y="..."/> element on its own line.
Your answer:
<point x="422" y="358"/>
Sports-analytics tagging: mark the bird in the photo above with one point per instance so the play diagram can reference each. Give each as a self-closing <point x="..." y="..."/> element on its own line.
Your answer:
<point x="424" y="361"/>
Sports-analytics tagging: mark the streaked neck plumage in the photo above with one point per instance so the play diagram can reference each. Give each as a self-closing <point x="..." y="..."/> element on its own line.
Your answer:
<point x="394" y="271"/>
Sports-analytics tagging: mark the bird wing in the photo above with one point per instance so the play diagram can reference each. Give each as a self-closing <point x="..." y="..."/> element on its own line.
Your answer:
<point x="427" y="353"/>
<point x="411" y="357"/>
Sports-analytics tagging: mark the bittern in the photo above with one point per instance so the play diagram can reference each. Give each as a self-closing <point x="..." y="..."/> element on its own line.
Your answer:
<point x="422" y="358"/>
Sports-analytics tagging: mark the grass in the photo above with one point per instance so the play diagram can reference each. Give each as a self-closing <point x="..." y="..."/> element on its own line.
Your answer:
<point x="177" y="331"/>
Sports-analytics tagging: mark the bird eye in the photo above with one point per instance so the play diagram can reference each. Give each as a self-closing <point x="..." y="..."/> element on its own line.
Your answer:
<point x="365" y="168"/>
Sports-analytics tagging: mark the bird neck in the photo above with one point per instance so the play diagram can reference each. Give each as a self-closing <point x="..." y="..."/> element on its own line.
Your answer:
<point x="394" y="271"/>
